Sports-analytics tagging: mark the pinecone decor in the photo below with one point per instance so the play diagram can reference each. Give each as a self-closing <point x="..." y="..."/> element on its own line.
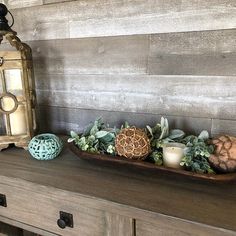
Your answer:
<point x="224" y="157"/>
<point x="132" y="143"/>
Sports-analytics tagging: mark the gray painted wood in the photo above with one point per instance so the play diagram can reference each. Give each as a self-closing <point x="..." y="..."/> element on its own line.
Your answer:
<point x="119" y="225"/>
<point x="109" y="18"/>
<point x="7" y="230"/>
<point x="171" y="227"/>
<point x="27" y="233"/>
<point x="193" y="53"/>
<point x="56" y="1"/>
<point x="193" y="96"/>
<point x="63" y="120"/>
<point x="63" y="184"/>
<point x="108" y="73"/>
<point x="12" y="4"/>
<point x="220" y="127"/>
<point x="107" y="55"/>
<point x="34" y="231"/>
<point x="42" y="211"/>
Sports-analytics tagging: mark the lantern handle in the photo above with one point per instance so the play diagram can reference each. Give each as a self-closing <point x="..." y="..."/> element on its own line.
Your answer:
<point x="18" y="45"/>
<point x="13" y="20"/>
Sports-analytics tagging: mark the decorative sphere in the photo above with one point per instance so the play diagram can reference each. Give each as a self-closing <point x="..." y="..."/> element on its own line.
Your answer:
<point x="45" y="146"/>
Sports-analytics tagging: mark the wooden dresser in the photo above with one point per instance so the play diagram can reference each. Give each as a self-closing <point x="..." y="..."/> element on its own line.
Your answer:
<point x="109" y="202"/>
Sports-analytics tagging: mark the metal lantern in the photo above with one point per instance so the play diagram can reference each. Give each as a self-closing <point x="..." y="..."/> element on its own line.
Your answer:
<point x="17" y="90"/>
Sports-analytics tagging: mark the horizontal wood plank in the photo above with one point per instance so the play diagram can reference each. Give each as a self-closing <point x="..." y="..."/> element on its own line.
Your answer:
<point x="169" y="227"/>
<point x="171" y="95"/>
<point x="56" y="1"/>
<point x="94" y="18"/>
<point x="108" y="55"/>
<point x="220" y="127"/>
<point x="12" y="4"/>
<point x="193" y="53"/>
<point x="63" y="120"/>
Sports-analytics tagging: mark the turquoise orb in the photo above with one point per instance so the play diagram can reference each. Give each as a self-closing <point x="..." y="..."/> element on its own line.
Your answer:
<point x="45" y="146"/>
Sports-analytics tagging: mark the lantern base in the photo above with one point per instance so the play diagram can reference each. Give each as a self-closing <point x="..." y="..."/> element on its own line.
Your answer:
<point x="22" y="145"/>
<point x="3" y="146"/>
<point x="17" y="144"/>
<point x="20" y="141"/>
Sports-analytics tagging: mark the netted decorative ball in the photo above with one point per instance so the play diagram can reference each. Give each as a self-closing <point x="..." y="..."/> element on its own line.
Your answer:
<point x="133" y="143"/>
<point x="45" y="146"/>
<point x="224" y="157"/>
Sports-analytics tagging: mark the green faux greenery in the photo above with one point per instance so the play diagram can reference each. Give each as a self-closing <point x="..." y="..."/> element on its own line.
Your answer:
<point x="197" y="149"/>
<point x="97" y="138"/>
<point x="197" y="153"/>
<point x="100" y="138"/>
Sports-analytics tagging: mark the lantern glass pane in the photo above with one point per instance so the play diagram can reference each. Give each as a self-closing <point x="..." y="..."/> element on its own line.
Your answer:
<point x="13" y="81"/>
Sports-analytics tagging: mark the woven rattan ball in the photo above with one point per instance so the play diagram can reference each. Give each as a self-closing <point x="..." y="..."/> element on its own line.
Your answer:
<point x="132" y="143"/>
<point x="224" y="157"/>
<point x="45" y="146"/>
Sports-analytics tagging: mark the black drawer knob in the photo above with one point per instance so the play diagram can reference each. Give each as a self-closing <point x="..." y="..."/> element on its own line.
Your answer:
<point x="61" y="223"/>
<point x="3" y="200"/>
<point x="66" y="220"/>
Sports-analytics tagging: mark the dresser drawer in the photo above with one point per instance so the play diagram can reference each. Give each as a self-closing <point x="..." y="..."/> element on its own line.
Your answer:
<point x="40" y="209"/>
<point x="169" y="226"/>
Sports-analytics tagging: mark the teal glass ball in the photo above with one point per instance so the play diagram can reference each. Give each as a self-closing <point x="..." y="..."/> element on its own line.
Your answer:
<point x="45" y="146"/>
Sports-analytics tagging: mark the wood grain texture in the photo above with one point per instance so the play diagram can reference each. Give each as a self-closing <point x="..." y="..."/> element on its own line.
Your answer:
<point x="93" y="18"/>
<point x="42" y="210"/>
<point x="7" y="230"/>
<point x="34" y="231"/>
<point x="193" y="96"/>
<point x="56" y="1"/>
<point x="63" y="120"/>
<point x="193" y="53"/>
<point x="172" y="227"/>
<point x="119" y="225"/>
<point x="220" y="127"/>
<point x="12" y="4"/>
<point x="27" y="233"/>
<point x="107" y="55"/>
<point x="67" y="177"/>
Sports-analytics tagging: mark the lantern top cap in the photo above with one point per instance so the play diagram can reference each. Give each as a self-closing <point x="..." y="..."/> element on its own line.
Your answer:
<point x="3" y="10"/>
<point x="4" y="27"/>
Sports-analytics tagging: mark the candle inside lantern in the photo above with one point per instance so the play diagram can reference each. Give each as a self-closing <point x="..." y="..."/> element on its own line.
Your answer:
<point x="17" y="118"/>
<point x="172" y="154"/>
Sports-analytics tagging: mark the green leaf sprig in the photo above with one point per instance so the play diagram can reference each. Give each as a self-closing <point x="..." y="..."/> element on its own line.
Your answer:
<point x="97" y="138"/>
<point x="197" y="153"/>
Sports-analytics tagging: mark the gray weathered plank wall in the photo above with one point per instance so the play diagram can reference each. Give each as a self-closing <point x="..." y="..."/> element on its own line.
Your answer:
<point x="132" y="60"/>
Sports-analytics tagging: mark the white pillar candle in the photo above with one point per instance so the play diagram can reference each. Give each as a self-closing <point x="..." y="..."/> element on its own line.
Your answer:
<point x="18" y="122"/>
<point x="17" y="118"/>
<point x="172" y="154"/>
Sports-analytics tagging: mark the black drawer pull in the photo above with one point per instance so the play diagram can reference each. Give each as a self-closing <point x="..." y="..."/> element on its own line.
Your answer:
<point x="66" y="220"/>
<point x="3" y="200"/>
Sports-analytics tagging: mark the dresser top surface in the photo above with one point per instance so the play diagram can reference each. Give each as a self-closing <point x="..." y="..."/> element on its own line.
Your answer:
<point x="199" y="201"/>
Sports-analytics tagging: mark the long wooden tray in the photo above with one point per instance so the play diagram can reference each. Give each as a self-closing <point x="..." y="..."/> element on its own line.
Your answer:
<point x="121" y="162"/>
